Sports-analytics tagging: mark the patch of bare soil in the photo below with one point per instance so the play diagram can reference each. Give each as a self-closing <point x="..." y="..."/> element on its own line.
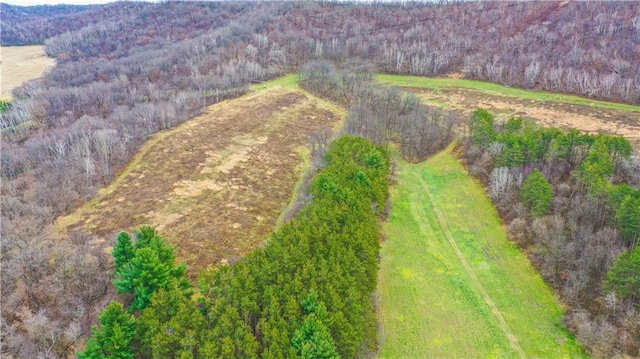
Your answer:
<point x="584" y="118"/>
<point x="19" y="64"/>
<point x="214" y="186"/>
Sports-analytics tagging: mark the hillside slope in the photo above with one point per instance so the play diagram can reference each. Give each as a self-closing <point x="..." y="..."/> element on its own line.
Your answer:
<point x="214" y="186"/>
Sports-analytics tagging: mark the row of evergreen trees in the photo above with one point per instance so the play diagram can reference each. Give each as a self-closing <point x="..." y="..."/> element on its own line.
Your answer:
<point x="307" y="294"/>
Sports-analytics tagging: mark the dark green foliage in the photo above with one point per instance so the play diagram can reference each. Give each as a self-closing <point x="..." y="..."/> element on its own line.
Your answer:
<point x="593" y="157"/>
<point x="628" y="217"/>
<point x="597" y="168"/>
<point x="619" y="147"/>
<point x="536" y="193"/>
<point x="313" y="339"/>
<point x="331" y="248"/>
<point x="123" y="251"/>
<point x="626" y="203"/>
<point x="624" y="276"/>
<point x="4" y="105"/>
<point x="512" y="154"/>
<point x="170" y="327"/>
<point x="112" y="338"/>
<point x="596" y="210"/>
<point x="514" y="125"/>
<point x="229" y="336"/>
<point x="147" y="267"/>
<point x="482" y="127"/>
<point x="569" y="147"/>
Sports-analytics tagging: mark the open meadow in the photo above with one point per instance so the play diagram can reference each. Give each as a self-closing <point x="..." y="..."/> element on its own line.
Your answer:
<point x="216" y="185"/>
<point x="451" y="285"/>
<point x="19" y="64"/>
<point x="547" y="108"/>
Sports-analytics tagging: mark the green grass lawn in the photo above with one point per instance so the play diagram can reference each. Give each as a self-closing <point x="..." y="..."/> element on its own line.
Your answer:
<point x="496" y="89"/>
<point x="287" y="81"/>
<point x="462" y="295"/>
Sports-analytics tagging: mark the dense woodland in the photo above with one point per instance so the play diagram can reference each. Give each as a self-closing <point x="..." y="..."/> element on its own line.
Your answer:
<point x="31" y="25"/>
<point x="571" y="200"/>
<point x="127" y="70"/>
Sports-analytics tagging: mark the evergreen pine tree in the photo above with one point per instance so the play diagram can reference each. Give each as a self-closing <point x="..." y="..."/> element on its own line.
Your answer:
<point x="624" y="275"/>
<point x="313" y="340"/>
<point x="113" y="336"/>
<point x="536" y="193"/>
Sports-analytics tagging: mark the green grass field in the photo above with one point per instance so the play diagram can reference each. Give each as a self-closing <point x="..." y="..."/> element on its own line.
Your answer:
<point x="496" y="89"/>
<point x="451" y="285"/>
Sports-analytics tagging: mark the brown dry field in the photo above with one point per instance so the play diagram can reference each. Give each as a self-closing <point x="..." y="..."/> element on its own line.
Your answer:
<point x="215" y="186"/>
<point x="19" y="64"/>
<point x="547" y="113"/>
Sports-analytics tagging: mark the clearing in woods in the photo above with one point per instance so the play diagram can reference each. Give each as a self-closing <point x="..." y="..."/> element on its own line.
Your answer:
<point x="216" y="185"/>
<point x="549" y="109"/>
<point x="451" y="285"/>
<point x="19" y="64"/>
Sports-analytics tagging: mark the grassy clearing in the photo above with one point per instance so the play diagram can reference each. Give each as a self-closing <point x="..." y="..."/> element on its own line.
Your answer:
<point x="287" y="81"/>
<point x="21" y="64"/>
<point x="500" y="90"/>
<point x="451" y="285"/>
<point x="291" y="82"/>
<point x="215" y="185"/>
<point x="548" y="109"/>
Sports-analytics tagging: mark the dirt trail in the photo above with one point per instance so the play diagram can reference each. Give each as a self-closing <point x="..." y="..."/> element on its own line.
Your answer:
<point x="513" y="341"/>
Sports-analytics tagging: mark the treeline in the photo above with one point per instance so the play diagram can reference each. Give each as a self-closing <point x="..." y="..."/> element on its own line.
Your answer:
<point x="571" y="201"/>
<point x="576" y="47"/>
<point x="31" y="25"/>
<point x="308" y="293"/>
<point x="381" y="114"/>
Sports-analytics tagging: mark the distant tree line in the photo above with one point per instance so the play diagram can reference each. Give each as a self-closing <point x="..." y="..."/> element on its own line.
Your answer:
<point x="571" y="201"/>
<point x="584" y="48"/>
<point x="31" y="25"/>
<point x="307" y="294"/>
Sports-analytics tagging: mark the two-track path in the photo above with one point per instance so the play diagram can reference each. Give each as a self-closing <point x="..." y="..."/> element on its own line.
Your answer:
<point x="513" y="340"/>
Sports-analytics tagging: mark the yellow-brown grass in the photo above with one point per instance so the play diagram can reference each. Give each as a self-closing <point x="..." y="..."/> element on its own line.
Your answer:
<point x="19" y="64"/>
<point x="547" y="113"/>
<point x="214" y="186"/>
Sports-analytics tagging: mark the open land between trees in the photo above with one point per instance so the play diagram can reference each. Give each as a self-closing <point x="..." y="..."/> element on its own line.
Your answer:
<point x="216" y="185"/>
<point x="547" y="108"/>
<point x="20" y="64"/>
<point x="451" y="284"/>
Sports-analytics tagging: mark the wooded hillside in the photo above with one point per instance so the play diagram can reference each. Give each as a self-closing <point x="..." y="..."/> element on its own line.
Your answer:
<point x="128" y="70"/>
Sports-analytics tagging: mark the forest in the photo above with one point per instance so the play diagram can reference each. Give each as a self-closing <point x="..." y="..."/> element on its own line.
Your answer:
<point x="128" y="70"/>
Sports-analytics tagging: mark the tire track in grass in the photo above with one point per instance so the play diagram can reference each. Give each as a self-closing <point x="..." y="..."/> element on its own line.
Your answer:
<point x="513" y="341"/>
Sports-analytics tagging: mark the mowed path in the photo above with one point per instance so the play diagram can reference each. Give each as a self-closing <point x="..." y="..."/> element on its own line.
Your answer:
<point x="513" y="341"/>
<point x="451" y="285"/>
<point x="214" y="186"/>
